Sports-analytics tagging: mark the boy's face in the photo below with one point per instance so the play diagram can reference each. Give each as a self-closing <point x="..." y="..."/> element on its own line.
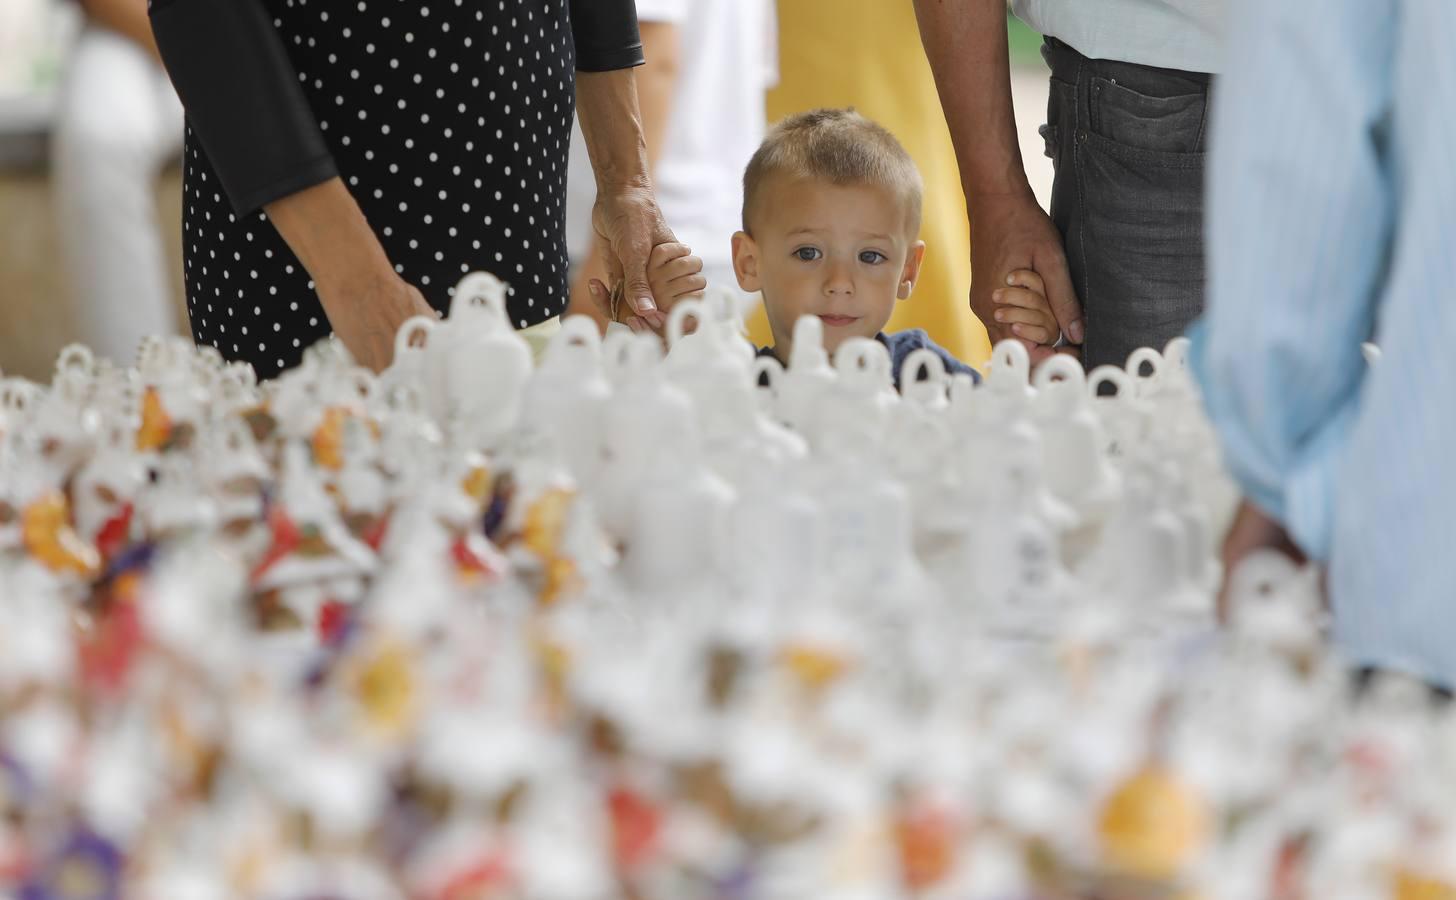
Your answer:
<point x="842" y="253"/>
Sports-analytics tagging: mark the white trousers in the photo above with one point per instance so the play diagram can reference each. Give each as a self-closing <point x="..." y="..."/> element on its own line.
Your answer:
<point x="119" y="122"/>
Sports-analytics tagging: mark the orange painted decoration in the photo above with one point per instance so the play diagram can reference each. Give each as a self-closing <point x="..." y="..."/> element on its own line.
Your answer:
<point x="49" y="537"/>
<point x="926" y="840"/>
<point x="156" y="425"/>
<point x="328" y="438"/>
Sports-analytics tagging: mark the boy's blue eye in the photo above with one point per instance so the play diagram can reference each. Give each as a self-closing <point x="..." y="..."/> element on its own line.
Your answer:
<point x="808" y="254"/>
<point x="872" y="257"/>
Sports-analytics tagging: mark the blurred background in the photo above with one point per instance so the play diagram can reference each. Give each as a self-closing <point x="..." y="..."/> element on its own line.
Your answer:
<point x="90" y="192"/>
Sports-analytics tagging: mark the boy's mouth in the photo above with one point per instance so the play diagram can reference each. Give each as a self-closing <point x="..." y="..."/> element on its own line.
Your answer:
<point x="838" y="321"/>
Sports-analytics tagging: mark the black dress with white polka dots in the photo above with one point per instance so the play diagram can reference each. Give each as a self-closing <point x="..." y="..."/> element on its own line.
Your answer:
<point x="450" y="122"/>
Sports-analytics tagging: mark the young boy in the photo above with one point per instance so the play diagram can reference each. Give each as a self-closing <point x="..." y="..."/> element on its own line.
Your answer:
<point x="831" y="218"/>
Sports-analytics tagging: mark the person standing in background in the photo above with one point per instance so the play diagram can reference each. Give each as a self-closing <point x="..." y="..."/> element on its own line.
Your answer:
<point x="1329" y="222"/>
<point x="1127" y="127"/>
<point x="866" y="54"/>
<point x="701" y="90"/>
<point x="118" y="124"/>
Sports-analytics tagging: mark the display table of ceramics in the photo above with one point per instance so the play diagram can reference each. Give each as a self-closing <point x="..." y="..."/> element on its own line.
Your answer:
<point x="623" y="624"/>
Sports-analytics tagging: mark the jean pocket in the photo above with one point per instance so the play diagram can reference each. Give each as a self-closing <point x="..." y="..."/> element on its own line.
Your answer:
<point x="1142" y="239"/>
<point x="1051" y="137"/>
<point x="1141" y="121"/>
<point x="1061" y="102"/>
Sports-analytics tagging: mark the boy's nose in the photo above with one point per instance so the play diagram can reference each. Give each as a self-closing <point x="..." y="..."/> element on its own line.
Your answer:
<point x="838" y="281"/>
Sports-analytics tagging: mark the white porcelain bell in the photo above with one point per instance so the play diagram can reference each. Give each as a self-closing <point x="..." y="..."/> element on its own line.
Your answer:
<point x="678" y="518"/>
<point x="1273" y="601"/>
<point x="1075" y="465"/>
<point x="17" y="398"/>
<point x="775" y="540"/>
<point x="567" y="397"/>
<point x="112" y="477"/>
<point x="1008" y="374"/>
<point x="712" y="364"/>
<point x="1143" y="558"/>
<point x="853" y="416"/>
<point x="1016" y="569"/>
<point x="806" y="379"/>
<point x="415" y="367"/>
<point x="1125" y="417"/>
<point x="485" y="362"/>
<point x="643" y="410"/>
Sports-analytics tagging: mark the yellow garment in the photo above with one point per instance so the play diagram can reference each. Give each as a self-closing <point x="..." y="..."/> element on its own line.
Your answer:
<point x="540" y="335"/>
<point x="867" y="54"/>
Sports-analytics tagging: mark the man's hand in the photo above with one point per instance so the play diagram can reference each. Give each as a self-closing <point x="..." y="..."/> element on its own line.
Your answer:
<point x="1252" y="530"/>
<point x="1011" y="233"/>
<point x="629" y="226"/>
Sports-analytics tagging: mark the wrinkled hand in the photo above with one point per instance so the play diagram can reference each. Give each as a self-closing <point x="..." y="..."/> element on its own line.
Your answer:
<point x="1252" y="530"/>
<point x="367" y="314"/>
<point x="1011" y="232"/>
<point x="628" y="226"/>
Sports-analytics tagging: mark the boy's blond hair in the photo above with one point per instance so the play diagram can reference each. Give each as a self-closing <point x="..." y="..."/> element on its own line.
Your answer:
<point x="839" y="146"/>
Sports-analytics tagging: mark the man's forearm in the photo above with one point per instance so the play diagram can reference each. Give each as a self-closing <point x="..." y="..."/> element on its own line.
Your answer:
<point x="965" y="41"/>
<point x="611" y="122"/>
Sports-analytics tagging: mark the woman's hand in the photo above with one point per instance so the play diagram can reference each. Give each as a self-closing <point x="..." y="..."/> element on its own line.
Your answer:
<point x="367" y="313"/>
<point x="628" y="227"/>
<point x="364" y="299"/>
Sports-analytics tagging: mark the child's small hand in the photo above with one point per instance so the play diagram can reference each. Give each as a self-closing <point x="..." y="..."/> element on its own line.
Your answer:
<point x="1023" y="304"/>
<point x="674" y="273"/>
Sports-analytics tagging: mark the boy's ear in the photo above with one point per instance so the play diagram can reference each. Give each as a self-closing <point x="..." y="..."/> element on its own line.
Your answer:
<point x="745" y="262"/>
<point x="911" y="274"/>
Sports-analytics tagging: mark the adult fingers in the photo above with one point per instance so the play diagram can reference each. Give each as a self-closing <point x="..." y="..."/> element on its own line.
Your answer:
<point x="1063" y="297"/>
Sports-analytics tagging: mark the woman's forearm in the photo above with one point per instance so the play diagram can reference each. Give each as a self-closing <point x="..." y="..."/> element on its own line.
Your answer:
<point x="657" y="83"/>
<point x="327" y="231"/>
<point x="611" y="122"/>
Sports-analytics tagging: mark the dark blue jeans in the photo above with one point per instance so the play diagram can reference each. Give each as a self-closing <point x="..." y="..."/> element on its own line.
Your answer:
<point x="1128" y="142"/>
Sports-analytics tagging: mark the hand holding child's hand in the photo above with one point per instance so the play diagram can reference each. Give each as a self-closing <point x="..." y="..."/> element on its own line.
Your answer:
<point x="673" y="274"/>
<point x="1023" y="305"/>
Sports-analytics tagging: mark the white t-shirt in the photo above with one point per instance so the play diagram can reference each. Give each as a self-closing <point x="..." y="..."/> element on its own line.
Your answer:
<point x="1171" y="34"/>
<point x="728" y="59"/>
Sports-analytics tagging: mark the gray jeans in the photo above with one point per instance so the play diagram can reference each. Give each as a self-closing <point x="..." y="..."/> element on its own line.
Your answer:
<point x="1127" y="142"/>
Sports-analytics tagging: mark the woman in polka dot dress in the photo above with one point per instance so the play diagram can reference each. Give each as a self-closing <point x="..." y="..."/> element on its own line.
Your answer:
<point x="347" y="161"/>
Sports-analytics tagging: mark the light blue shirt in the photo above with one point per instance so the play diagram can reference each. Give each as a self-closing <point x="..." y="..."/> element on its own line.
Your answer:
<point x="1331" y="219"/>
<point x="1170" y="34"/>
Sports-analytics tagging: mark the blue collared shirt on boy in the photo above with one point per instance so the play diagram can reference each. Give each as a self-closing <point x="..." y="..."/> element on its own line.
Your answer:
<point x="903" y="343"/>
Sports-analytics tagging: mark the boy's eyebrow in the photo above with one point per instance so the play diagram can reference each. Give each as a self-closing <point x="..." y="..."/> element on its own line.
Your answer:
<point x="805" y="229"/>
